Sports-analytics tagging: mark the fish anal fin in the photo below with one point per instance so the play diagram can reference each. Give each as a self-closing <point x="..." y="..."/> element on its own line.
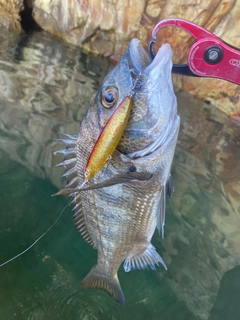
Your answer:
<point x="149" y="258"/>
<point x="96" y="280"/>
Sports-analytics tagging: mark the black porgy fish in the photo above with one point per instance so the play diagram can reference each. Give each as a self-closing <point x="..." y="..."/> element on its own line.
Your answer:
<point x="119" y="209"/>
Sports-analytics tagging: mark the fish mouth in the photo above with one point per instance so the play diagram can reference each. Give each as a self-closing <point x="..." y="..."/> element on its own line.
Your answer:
<point x="154" y="109"/>
<point x="140" y="61"/>
<point x="138" y="58"/>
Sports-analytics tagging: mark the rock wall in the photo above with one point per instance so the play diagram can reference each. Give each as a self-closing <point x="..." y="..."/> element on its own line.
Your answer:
<point x="105" y="27"/>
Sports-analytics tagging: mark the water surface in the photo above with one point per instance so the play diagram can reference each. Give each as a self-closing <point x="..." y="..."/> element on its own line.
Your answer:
<point x="45" y="88"/>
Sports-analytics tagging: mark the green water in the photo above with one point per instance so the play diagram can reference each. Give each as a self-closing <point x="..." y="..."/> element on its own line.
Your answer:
<point x="45" y="88"/>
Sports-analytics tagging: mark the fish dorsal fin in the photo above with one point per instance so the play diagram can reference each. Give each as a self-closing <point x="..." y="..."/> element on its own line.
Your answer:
<point x="69" y="159"/>
<point x="80" y="220"/>
<point x="149" y="258"/>
<point x="70" y="164"/>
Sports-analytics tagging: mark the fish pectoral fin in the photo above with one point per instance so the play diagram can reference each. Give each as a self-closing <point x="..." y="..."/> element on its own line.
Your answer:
<point x="170" y="187"/>
<point x="96" y="280"/>
<point x="167" y="190"/>
<point x="161" y="212"/>
<point x="149" y="258"/>
<point x="117" y="179"/>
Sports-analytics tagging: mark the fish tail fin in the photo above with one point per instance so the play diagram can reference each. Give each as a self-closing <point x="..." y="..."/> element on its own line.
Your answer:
<point x="96" y="280"/>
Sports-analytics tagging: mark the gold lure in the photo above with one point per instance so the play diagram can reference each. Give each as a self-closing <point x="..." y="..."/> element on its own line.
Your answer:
<point x="109" y="138"/>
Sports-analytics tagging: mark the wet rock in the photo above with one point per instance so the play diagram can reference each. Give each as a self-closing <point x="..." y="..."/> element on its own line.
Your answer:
<point x="78" y="21"/>
<point x="227" y="304"/>
<point x="154" y="8"/>
<point x="9" y="14"/>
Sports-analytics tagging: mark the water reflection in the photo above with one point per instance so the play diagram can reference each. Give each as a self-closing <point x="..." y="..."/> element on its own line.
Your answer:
<point x="45" y="88"/>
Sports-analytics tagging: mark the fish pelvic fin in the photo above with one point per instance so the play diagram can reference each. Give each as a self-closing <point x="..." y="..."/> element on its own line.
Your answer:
<point x="96" y="280"/>
<point x="149" y="258"/>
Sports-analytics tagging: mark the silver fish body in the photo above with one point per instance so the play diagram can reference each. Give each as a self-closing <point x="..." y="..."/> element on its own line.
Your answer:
<point x="120" y="208"/>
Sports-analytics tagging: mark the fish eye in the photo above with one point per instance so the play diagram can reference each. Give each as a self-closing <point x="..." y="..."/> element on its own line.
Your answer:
<point x="109" y="97"/>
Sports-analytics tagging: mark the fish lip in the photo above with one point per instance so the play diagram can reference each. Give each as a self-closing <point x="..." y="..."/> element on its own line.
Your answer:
<point x="140" y="61"/>
<point x="138" y="57"/>
<point x="163" y="57"/>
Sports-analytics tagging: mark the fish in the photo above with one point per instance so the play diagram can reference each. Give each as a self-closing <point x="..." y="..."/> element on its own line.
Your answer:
<point x="119" y="209"/>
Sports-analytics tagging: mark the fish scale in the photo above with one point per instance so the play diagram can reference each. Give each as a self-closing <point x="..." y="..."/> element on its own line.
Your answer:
<point x="118" y="210"/>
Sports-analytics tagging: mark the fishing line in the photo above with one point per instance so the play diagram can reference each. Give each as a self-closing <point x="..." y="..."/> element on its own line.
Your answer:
<point x="28" y="248"/>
